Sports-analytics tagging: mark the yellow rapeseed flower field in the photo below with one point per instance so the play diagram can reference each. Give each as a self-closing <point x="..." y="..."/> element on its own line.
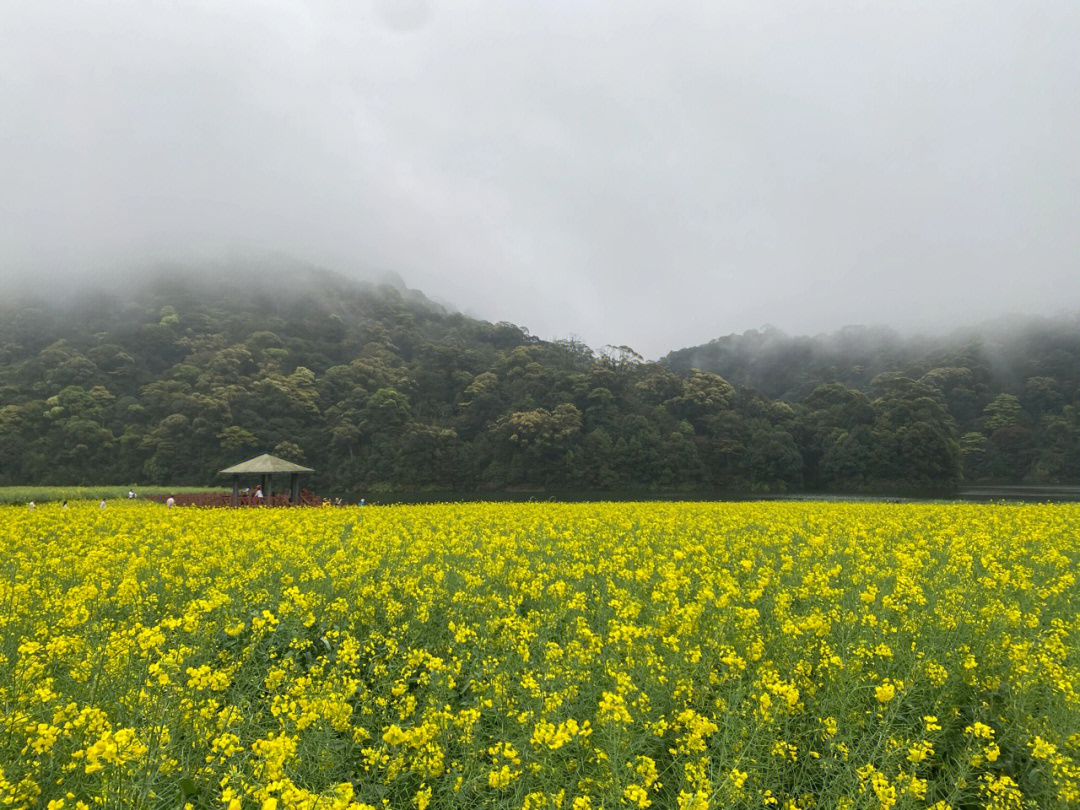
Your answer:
<point x="787" y="655"/>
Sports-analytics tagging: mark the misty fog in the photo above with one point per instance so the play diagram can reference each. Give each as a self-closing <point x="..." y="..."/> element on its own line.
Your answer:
<point x="654" y="175"/>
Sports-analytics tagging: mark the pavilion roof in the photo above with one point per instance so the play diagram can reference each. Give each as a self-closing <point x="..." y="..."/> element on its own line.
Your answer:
<point x="265" y="463"/>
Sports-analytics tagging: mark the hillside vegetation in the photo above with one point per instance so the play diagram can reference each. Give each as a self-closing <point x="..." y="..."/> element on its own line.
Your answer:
<point x="168" y="379"/>
<point x="1011" y="386"/>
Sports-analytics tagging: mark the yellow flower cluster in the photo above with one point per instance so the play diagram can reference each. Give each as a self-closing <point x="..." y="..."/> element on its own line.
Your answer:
<point x="541" y="657"/>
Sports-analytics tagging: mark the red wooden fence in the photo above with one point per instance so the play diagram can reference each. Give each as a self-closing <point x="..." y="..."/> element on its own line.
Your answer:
<point x="225" y="499"/>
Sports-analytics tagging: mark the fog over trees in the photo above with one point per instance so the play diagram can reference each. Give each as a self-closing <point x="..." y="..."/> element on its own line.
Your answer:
<point x="1011" y="385"/>
<point x="177" y="374"/>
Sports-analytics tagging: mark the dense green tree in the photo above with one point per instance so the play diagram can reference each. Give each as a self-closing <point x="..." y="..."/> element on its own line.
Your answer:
<point x="1011" y="452"/>
<point x="1041" y="396"/>
<point x="639" y="455"/>
<point x="1003" y="412"/>
<point x="681" y="451"/>
<point x="702" y="396"/>
<point x="771" y="460"/>
<point x="851" y="459"/>
<point x="973" y="455"/>
<point x="831" y="415"/>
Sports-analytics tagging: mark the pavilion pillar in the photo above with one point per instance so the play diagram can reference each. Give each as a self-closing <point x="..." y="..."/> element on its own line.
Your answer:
<point x="235" y="489"/>
<point x="269" y="491"/>
<point x="294" y="487"/>
<point x="262" y="486"/>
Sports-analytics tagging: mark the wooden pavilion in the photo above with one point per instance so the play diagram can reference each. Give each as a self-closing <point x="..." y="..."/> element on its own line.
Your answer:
<point x="266" y="466"/>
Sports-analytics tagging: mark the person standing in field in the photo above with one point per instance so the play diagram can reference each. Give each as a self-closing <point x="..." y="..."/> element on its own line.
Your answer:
<point x="102" y="504"/>
<point x="171" y="502"/>
<point x="31" y="505"/>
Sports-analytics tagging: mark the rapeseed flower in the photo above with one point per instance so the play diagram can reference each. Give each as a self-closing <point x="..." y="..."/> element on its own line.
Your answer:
<point x="541" y="656"/>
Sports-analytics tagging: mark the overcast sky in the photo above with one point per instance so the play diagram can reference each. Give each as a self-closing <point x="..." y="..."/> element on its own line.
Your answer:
<point x="652" y="174"/>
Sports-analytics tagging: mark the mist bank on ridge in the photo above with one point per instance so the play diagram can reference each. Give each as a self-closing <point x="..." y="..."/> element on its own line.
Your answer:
<point x="249" y="282"/>
<point x="1001" y="354"/>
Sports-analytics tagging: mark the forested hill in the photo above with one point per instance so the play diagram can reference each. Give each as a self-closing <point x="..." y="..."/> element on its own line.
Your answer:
<point x="169" y="378"/>
<point x="1012" y="386"/>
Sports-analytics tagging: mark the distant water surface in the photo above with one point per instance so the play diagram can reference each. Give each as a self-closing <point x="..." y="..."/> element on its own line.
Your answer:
<point x="974" y="494"/>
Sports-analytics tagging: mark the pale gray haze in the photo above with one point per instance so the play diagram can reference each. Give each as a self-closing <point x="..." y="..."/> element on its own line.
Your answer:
<point x="651" y="174"/>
